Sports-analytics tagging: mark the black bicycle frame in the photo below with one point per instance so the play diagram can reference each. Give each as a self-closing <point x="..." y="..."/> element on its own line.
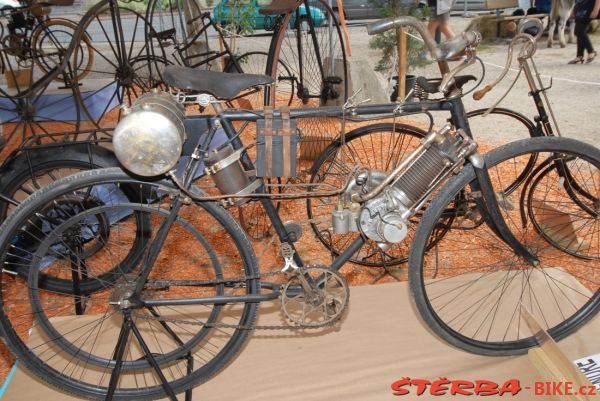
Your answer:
<point x="488" y="204"/>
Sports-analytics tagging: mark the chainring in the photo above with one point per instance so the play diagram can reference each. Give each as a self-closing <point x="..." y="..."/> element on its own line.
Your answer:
<point x="323" y="304"/>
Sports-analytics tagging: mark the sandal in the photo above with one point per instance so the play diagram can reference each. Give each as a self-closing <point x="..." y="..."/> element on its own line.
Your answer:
<point x="576" y="60"/>
<point x="590" y="57"/>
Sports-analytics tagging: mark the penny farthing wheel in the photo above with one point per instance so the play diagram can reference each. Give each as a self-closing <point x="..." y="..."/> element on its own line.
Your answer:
<point x="127" y="63"/>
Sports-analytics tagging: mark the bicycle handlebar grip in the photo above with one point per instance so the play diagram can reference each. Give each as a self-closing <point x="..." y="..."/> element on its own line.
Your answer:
<point x="405" y="20"/>
<point x="478" y="95"/>
<point x="381" y="26"/>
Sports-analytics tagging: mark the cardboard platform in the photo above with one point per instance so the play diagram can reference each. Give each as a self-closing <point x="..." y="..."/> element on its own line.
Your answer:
<point x="380" y="341"/>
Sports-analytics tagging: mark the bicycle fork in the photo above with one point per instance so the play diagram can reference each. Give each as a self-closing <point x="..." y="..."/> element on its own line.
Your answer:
<point x="488" y="205"/>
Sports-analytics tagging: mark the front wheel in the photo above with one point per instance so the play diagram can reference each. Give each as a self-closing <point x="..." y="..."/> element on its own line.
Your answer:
<point x="471" y="288"/>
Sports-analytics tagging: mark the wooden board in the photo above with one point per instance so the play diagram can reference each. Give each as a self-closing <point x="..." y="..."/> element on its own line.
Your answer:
<point x="494" y="4"/>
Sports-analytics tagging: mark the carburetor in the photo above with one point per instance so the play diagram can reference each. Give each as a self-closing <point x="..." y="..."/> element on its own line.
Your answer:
<point x="380" y="204"/>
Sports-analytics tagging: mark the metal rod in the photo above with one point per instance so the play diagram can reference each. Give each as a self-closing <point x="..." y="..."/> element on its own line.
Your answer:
<point x="150" y="358"/>
<point x="347" y="254"/>
<point x="335" y="111"/>
<point x="216" y="300"/>
<point x="118" y="355"/>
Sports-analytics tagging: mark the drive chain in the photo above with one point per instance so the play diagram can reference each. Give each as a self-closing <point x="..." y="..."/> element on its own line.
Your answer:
<point x="241" y="281"/>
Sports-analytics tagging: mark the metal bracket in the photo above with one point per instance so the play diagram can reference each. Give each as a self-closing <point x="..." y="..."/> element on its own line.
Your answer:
<point x="287" y="251"/>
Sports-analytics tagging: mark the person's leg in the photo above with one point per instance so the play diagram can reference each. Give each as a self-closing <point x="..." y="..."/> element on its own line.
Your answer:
<point x="581" y="25"/>
<point x="445" y="29"/>
<point x="432" y="26"/>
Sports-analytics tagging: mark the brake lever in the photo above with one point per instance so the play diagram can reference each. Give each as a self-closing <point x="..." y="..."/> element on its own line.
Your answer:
<point x="527" y="52"/>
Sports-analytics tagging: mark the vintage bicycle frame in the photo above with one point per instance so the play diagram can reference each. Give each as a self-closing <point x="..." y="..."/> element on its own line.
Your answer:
<point x="546" y="124"/>
<point x="487" y="203"/>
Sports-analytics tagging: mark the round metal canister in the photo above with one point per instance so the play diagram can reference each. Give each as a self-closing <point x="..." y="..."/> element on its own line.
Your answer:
<point x="227" y="172"/>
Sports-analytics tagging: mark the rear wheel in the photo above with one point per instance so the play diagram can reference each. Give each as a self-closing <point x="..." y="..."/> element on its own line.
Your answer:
<point x="128" y="61"/>
<point x="37" y="167"/>
<point x="310" y="43"/>
<point x="50" y="41"/>
<point x="565" y="209"/>
<point x="74" y="338"/>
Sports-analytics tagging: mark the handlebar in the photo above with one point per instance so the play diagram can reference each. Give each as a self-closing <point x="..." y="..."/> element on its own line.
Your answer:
<point x="443" y="52"/>
<point x="386" y="24"/>
<point x="527" y="52"/>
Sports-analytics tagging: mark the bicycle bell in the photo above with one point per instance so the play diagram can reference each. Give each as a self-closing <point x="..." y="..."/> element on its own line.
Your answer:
<point x="149" y="138"/>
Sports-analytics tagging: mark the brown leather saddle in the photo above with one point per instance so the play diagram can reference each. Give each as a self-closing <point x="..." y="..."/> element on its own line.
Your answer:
<point x="280" y="7"/>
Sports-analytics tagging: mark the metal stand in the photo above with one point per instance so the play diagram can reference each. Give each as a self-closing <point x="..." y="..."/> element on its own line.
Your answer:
<point x="128" y="328"/>
<point x="67" y="82"/>
<point x="78" y="273"/>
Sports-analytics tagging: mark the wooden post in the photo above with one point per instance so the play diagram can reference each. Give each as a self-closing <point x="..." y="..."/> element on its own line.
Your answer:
<point x="402" y="63"/>
<point x="344" y="29"/>
<point x="191" y="10"/>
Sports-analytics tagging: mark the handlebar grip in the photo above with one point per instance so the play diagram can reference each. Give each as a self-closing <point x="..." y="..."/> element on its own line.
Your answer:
<point x="405" y="20"/>
<point x="478" y="95"/>
<point x="380" y="26"/>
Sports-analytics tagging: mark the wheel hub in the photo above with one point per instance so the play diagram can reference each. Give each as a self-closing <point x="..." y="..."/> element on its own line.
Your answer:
<point x="123" y="295"/>
<point x="125" y="75"/>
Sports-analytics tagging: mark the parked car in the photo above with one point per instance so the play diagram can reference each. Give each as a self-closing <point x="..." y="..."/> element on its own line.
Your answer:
<point x="9" y="4"/>
<point x="358" y="9"/>
<point x="223" y="14"/>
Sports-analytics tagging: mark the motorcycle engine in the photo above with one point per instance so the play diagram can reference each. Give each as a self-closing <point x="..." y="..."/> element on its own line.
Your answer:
<point x="385" y="217"/>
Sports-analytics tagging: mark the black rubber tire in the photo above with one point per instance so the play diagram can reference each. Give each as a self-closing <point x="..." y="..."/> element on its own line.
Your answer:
<point x="212" y="362"/>
<point x="16" y="171"/>
<point x="44" y="161"/>
<point x="431" y="305"/>
<point x="323" y="166"/>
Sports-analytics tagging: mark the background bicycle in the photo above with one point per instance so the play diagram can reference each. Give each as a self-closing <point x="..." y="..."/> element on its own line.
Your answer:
<point x="33" y="98"/>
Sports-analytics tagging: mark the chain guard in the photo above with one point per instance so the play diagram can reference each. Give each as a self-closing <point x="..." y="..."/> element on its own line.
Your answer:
<point x="324" y="307"/>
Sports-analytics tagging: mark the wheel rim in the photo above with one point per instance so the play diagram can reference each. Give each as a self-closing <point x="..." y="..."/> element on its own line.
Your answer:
<point x="125" y="65"/>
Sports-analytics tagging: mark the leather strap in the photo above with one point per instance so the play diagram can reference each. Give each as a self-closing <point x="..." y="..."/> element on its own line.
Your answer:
<point x="268" y="141"/>
<point x="286" y="132"/>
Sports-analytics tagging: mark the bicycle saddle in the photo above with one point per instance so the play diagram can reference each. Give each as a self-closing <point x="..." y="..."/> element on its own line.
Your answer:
<point x="280" y="7"/>
<point x="432" y="85"/>
<point x="221" y="85"/>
